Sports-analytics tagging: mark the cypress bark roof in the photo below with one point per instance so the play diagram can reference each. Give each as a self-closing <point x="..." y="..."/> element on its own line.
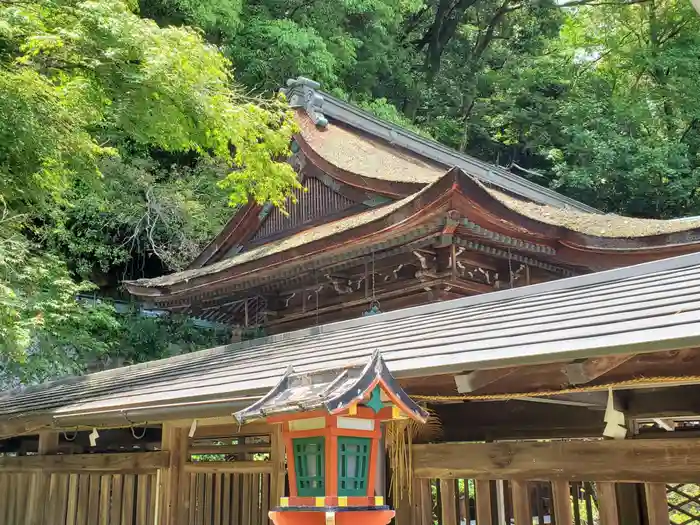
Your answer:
<point x="526" y="219"/>
<point x="600" y="225"/>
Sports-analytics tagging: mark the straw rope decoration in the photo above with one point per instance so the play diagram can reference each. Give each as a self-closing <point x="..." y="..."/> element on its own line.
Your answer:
<point x="399" y="437"/>
<point x="660" y="380"/>
<point x="400" y="434"/>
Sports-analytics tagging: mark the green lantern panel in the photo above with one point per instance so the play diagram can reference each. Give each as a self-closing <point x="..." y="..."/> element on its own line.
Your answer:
<point x="353" y="463"/>
<point x="310" y="464"/>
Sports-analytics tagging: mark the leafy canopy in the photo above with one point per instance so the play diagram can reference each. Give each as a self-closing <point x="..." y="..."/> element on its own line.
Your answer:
<point x="107" y="80"/>
<point x="119" y="138"/>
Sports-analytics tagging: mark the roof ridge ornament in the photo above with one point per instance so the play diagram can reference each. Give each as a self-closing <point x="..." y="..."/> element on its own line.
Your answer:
<point x="301" y="92"/>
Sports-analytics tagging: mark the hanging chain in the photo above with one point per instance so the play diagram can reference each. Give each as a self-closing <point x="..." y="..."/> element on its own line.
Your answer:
<point x="373" y="296"/>
<point x="374" y="304"/>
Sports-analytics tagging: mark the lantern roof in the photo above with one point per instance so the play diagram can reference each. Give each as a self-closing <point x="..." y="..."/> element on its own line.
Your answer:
<point x="334" y="390"/>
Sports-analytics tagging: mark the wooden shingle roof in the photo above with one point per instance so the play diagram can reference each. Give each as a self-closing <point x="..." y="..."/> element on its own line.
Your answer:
<point x="645" y="308"/>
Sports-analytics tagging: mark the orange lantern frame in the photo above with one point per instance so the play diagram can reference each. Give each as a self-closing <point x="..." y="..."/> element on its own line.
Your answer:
<point x="336" y="406"/>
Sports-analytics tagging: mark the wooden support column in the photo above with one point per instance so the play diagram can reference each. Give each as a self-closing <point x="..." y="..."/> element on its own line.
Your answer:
<point x="629" y="502"/>
<point x="39" y="485"/>
<point x="522" y="512"/>
<point x="404" y="510"/>
<point x="279" y="466"/>
<point x="169" y="503"/>
<point x="48" y="442"/>
<point x="561" y="491"/>
<point x="607" y="503"/>
<point x="448" y="502"/>
<point x="483" y="502"/>
<point x="422" y="503"/>
<point x="657" y="503"/>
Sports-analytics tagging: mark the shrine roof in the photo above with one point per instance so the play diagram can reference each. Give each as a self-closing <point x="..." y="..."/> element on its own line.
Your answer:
<point x="644" y="308"/>
<point x="366" y="156"/>
<point x="524" y="219"/>
<point x="359" y="143"/>
<point x="305" y="237"/>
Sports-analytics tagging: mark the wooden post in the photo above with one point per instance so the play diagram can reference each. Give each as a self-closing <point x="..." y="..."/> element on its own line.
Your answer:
<point x="422" y="503"/>
<point x="607" y="503"/>
<point x="48" y="442"/>
<point x="404" y="510"/>
<point x="483" y="502"/>
<point x="561" y="491"/>
<point x="175" y="441"/>
<point x="448" y="502"/>
<point x="657" y="504"/>
<point x="38" y="496"/>
<point x="629" y="502"/>
<point x="522" y="511"/>
<point x="501" y="517"/>
<point x="279" y="466"/>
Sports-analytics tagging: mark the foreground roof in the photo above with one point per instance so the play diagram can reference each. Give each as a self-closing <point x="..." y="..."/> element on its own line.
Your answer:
<point x="643" y="308"/>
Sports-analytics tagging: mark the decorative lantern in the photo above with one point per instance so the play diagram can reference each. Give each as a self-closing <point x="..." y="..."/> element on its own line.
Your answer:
<point x="331" y="424"/>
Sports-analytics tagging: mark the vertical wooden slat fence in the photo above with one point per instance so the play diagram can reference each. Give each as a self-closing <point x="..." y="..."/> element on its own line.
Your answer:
<point x="537" y="487"/>
<point x="80" y="489"/>
<point x="469" y="501"/>
<point x="228" y="498"/>
<point x="216" y="479"/>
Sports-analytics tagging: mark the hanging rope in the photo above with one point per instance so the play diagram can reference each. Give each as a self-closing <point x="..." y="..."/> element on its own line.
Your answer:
<point x="510" y="269"/>
<point x="677" y="381"/>
<point x="374" y="306"/>
<point x="317" y="290"/>
<point x="133" y="433"/>
<point x="374" y="297"/>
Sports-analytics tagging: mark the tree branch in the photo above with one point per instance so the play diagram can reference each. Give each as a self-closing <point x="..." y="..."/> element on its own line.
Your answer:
<point x="594" y="3"/>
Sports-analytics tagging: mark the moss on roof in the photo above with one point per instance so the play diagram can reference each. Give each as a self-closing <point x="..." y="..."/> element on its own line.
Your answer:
<point x="312" y="234"/>
<point x="598" y="225"/>
<point x="371" y="158"/>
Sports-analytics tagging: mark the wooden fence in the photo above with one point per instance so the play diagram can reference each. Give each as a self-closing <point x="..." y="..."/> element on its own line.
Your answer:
<point x="90" y="489"/>
<point x="228" y="498"/>
<point x="557" y="483"/>
<point x="524" y="483"/>
<point x="231" y="480"/>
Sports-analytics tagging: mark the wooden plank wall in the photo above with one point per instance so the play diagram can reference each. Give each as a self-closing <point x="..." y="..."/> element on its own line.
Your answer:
<point x="82" y="491"/>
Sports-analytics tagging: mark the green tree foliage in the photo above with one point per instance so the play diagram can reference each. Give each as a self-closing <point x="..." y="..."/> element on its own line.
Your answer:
<point x="592" y="98"/>
<point x="120" y="141"/>
<point x="124" y="138"/>
<point x="42" y="326"/>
